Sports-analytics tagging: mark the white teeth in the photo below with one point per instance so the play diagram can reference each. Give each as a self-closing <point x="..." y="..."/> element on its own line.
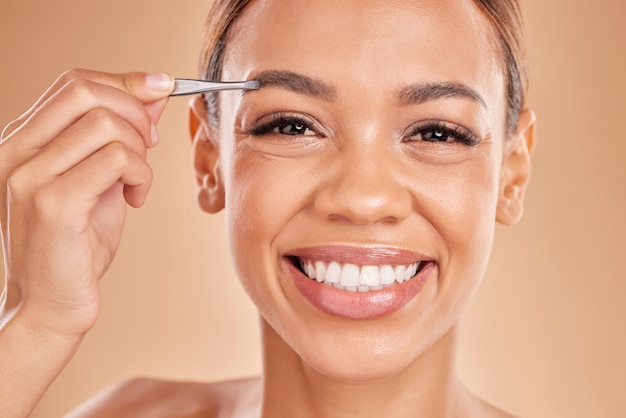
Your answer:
<point x="370" y="276"/>
<point x="386" y="275"/>
<point x="414" y="268"/>
<point x="398" y="273"/>
<point x="355" y="278"/>
<point x="333" y="272"/>
<point x="349" y="275"/>
<point x="310" y="270"/>
<point x="320" y="271"/>
<point x="407" y="273"/>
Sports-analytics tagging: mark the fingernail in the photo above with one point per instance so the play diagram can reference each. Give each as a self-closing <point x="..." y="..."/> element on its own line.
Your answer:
<point x="160" y="81"/>
<point x="154" y="135"/>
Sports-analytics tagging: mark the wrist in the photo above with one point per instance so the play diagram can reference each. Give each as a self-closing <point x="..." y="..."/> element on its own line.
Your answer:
<point x="38" y="325"/>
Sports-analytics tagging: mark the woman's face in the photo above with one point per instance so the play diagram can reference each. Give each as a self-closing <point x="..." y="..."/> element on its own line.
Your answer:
<point x="378" y="140"/>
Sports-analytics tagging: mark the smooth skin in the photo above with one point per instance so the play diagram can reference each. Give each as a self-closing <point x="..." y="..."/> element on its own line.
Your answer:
<point x="359" y="176"/>
<point x="68" y="166"/>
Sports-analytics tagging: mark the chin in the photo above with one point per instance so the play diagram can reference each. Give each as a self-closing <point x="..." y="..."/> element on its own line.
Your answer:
<point x="375" y="354"/>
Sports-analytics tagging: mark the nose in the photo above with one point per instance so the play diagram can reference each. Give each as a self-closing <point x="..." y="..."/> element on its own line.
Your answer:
<point x="363" y="188"/>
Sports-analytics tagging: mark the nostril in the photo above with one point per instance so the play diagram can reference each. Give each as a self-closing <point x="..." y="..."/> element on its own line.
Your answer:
<point x="358" y="219"/>
<point x="389" y="219"/>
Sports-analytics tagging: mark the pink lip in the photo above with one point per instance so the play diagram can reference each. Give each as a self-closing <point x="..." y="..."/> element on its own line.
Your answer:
<point x="364" y="256"/>
<point x="359" y="305"/>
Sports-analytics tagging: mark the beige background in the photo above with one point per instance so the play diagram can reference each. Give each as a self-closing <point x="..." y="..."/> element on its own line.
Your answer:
<point x="546" y="335"/>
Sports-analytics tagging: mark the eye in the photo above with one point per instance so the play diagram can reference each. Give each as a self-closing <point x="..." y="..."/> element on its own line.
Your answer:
<point x="293" y="128"/>
<point x="291" y="125"/>
<point x="440" y="131"/>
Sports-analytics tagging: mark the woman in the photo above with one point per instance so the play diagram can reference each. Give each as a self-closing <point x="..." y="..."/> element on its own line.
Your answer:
<point x="361" y="185"/>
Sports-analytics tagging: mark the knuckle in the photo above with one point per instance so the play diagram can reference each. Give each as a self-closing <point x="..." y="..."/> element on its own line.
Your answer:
<point x="113" y="126"/>
<point x="117" y="155"/>
<point x="81" y="90"/>
<point x="129" y="81"/>
<point x="70" y="75"/>
<point x="104" y="120"/>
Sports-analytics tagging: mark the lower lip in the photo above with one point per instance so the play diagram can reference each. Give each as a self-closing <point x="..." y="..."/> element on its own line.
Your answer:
<point x="358" y="305"/>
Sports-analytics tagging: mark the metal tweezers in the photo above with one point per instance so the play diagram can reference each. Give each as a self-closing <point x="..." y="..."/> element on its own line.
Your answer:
<point x="185" y="86"/>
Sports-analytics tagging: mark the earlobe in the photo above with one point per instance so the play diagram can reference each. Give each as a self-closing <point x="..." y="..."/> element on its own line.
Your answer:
<point x="516" y="168"/>
<point x="205" y="159"/>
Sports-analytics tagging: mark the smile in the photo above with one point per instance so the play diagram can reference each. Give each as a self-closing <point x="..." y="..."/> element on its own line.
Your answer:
<point x="357" y="282"/>
<point x="358" y="278"/>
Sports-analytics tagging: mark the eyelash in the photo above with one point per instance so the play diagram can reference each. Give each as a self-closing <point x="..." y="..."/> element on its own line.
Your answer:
<point x="280" y="121"/>
<point x="438" y="131"/>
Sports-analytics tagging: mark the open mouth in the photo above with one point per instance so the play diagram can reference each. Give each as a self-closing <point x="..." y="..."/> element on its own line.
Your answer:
<point x="357" y="278"/>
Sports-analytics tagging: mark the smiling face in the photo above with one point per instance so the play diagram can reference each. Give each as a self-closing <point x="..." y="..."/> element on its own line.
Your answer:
<point x="363" y="180"/>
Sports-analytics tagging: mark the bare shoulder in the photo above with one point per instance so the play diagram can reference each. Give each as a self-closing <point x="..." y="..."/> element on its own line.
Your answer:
<point x="144" y="397"/>
<point x="476" y="407"/>
<point x="487" y="410"/>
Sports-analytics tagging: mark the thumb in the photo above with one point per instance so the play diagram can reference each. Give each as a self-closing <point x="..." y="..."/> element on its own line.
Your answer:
<point x="147" y="88"/>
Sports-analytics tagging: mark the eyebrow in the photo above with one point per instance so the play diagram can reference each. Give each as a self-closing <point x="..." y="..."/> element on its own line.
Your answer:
<point x="419" y="93"/>
<point x="413" y="94"/>
<point x="298" y="83"/>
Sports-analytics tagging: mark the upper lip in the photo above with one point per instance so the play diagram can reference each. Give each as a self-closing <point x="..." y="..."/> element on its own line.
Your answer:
<point x="360" y="255"/>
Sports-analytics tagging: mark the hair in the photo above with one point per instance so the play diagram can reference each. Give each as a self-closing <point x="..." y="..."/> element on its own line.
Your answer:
<point x="505" y="17"/>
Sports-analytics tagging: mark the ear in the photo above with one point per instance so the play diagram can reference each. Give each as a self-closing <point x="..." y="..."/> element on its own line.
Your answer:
<point x="515" y="172"/>
<point x="206" y="161"/>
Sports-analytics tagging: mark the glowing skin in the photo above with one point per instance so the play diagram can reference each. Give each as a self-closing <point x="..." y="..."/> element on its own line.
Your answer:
<point x="359" y="176"/>
<point x="375" y="151"/>
<point x="361" y="185"/>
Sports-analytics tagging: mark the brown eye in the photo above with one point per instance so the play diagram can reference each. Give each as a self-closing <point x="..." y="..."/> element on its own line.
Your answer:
<point x="441" y="132"/>
<point x="293" y="128"/>
<point x="285" y="125"/>
<point x="436" y="136"/>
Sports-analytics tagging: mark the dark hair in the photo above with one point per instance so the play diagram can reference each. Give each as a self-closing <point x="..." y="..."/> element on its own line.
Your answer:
<point x="505" y="17"/>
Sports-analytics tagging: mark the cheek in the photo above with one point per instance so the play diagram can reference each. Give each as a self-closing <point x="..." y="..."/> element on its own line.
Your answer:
<point x="464" y="208"/>
<point x="262" y="196"/>
<point x="462" y="211"/>
<point x="247" y="223"/>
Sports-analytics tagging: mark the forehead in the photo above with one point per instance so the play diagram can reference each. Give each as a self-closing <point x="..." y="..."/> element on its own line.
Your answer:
<point x="369" y="44"/>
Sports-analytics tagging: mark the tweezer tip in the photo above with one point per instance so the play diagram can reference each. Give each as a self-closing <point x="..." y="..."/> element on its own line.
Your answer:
<point x="252" y="85"/>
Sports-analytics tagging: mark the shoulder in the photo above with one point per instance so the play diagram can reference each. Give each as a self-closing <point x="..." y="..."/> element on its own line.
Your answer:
<point x="487" y="410"/>
<point x="473" y="406"/>
<point x="141" y="397"/>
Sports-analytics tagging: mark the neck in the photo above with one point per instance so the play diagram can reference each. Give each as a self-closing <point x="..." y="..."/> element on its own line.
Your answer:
<point x="428" y="387"/>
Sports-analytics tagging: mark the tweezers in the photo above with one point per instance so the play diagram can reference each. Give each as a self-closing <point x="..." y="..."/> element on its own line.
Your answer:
<point x="185" y="86"/>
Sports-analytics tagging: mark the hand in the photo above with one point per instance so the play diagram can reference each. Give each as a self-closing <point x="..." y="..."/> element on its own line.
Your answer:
<point x="68" y="167"/>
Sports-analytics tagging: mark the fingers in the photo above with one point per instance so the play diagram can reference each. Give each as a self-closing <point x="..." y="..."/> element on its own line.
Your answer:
<point x="68" y="168"/>
<point x="123" y="166"/>
<point x="145" y="88"/>
<point x="83" y="118"/>
<point x="81" y="113"/>
<point x="85" y="160"/>
<point x="60" y="199"/>
<point x="70" y="103"/>
<point x="155" y="109"/>
<point x="90" y="133"/>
